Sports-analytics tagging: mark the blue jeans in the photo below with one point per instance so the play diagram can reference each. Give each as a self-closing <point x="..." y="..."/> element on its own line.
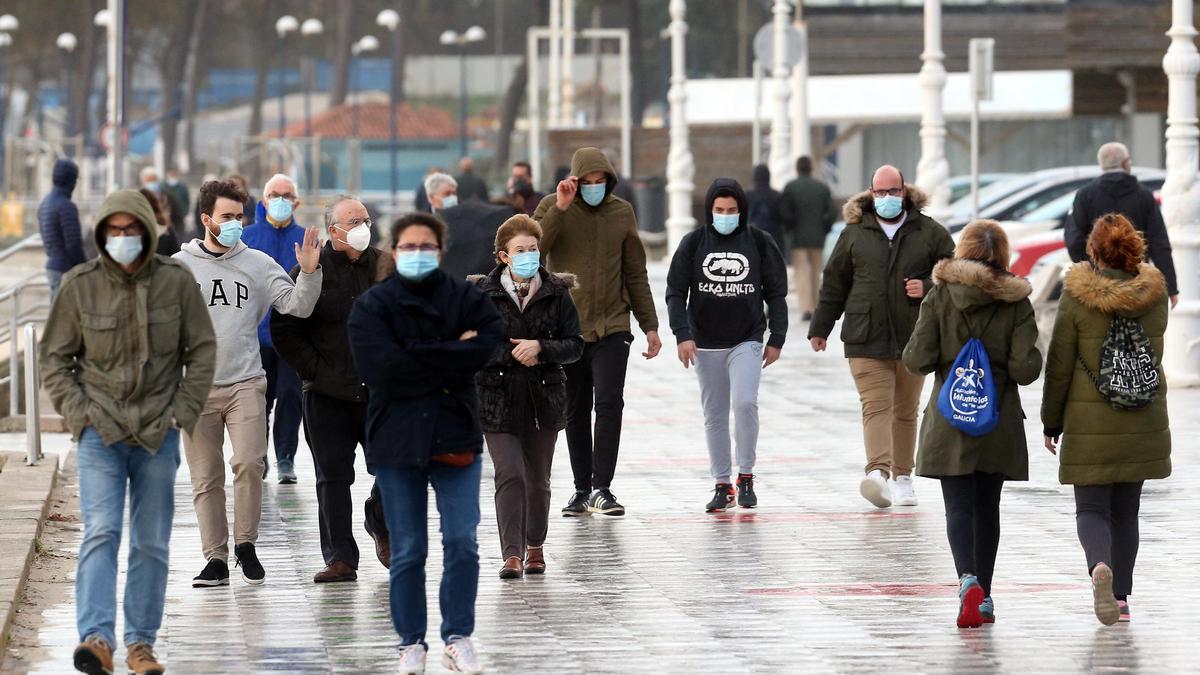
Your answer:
<point x="104" y="473"/>
<point x="54" y="279"/>
<point x="405" y="506"/>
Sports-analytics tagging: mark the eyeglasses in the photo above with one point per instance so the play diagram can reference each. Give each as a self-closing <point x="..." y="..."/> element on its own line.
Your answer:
<point x="130" y="230"/>
<point x="891" y="192"/>
<point x="291" y="197"/>
<point x="353" y="223"/>
<point x="413" y="248"/>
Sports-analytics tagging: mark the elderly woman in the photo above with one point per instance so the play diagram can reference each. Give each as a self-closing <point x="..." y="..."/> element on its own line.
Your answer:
<point x="974" y="295"/>
<point x="522" y="389"/>
<point x="1107" y="453"/>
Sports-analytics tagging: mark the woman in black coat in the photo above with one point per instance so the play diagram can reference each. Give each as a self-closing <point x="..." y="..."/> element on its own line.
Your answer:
<point x="522" y="390"/>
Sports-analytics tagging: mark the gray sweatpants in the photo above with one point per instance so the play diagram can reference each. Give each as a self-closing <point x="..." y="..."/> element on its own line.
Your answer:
<point x="729" y="380"/>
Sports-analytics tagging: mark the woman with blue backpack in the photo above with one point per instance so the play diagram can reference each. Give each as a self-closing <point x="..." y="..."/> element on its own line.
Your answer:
<point x="1106" y="398"/>
<point x="977" y="333"/>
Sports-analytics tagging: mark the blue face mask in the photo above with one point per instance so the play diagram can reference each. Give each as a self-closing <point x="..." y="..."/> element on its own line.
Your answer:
<point x="416" y="265"/>
<point x="152" y="186"/>
<point x="525" y="264"/>
<point x="279" y="209"/>
<point x="593" y="194"/>
<point x="449" y="202"/>
<point x="123" y="250"/>
<point x="726" y="223"/>
<point x="231" y="233"/>
<point x="888" y="207"/>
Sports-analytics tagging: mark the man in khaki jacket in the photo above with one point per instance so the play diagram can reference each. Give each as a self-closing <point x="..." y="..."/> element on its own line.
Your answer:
<point x="593" y="234"/>
<point x="128" y="359"/>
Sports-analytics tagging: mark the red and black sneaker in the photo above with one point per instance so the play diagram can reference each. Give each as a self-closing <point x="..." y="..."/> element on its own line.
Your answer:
<point x="723" y="498"/>
<point x="745" y="489"/>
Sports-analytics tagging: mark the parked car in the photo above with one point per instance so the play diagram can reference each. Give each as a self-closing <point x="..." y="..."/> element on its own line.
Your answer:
<point x="960" y="186"/>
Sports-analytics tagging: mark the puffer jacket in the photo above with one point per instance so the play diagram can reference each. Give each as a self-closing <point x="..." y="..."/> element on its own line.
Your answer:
<point x="58" y="220"/>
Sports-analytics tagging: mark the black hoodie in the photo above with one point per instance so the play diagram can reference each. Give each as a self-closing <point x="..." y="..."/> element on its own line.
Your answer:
<point x="718" y="284"/>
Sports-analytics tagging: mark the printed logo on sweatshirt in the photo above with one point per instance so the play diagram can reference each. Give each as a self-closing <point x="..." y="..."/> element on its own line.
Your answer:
<point x="217" y="294"/>
<point x="725" y="271"/>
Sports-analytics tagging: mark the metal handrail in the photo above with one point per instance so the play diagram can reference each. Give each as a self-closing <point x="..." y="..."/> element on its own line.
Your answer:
<point x="33" y="416"/>
<point x="32" y="241"/>
<point x="13" y="293"/>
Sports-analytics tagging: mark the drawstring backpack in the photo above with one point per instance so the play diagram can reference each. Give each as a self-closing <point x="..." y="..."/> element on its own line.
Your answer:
<point x="1128" y="378"/>
<point x="968" y="397"/>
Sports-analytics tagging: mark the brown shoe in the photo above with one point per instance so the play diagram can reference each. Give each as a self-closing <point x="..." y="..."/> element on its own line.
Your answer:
<point x="512" y="568"/>
<point x="142" y="661"/>
<point x="383" y="549"/>
<point x="94" y="657"/>
<point x="336" y="571"/>
<point x="535" y="561"/>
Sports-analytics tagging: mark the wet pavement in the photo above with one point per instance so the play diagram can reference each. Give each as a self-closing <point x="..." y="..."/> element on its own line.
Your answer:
<point x="814" y="579"/>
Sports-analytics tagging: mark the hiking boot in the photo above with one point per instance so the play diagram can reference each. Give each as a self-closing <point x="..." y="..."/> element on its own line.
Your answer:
<point x="215" y="573"/>
<point x="745" y="491"/>
<point x="142" y="661"/>
<point x="577" y="506"/>
<point x="970" y="597"/>
<point x="874" y="488"/>
<point x="903" y="493"/>
<point x="335" y="572"/>
<point x="252" y="570"/>
<point x="535" y="560"/>
<point x="987" y="610"/>
<point x="460" y="656"/>
<point x="412" y="659"/>
<point x="94" y="656"/>
<point x="723" y="498"/>
<point x="1103" y="601"/>
<point x="603" y="502"/>
<point x="286" y="470"/>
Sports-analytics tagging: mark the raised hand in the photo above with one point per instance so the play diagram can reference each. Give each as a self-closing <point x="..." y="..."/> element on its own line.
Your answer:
<point x="308" y="254"/>
<point x="566" y="192"/>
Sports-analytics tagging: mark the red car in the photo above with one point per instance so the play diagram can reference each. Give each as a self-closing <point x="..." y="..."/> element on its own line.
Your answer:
<point x="1031" y="249"/>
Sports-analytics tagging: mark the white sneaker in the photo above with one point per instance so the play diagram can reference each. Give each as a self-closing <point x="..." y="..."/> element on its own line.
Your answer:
<point x="460" y="656"/>
<point x="412" y="659"/>
<point x="903" y="493"/>
<point x="874" y="488"/>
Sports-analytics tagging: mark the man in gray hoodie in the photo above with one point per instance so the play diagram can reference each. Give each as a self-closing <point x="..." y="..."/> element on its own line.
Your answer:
<point x="239" y="285"/>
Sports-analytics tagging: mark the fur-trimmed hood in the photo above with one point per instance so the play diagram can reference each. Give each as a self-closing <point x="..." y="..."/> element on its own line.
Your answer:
<point x="994" y="283"/>
<point x="1114" y="291"/>
<point x="863" y="202"/>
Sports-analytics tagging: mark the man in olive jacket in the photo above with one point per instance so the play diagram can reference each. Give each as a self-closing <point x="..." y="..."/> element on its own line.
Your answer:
<point x="878" y="273"/>
<point x="128" y="359"/>
<point x="589" y="231"/>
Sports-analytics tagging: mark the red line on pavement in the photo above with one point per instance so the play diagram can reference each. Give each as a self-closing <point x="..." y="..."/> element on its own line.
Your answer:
<point x="899" y="590"/>
<point x="768" y="517"/>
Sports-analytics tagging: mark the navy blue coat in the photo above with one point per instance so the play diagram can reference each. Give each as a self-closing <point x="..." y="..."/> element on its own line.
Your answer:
<point x="58" y="220"/>
<point x="420" y="377"/>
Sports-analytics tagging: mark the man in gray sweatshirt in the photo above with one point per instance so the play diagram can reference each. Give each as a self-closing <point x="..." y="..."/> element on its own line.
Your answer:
<point x="239" y="285"/>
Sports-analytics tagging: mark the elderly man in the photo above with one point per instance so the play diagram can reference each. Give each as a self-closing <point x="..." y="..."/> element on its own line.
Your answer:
<point x="127" y="358"/>
<point x="276" y="233"/>
<point x="335" y="399"/>
<point x="472" y="226"/>
<point x="471" y="186"/>
<point x="1118" y="191"/>
<point x="878" y="273"/>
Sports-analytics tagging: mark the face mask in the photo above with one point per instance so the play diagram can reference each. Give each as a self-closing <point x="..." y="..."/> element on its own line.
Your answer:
<point x="124" y="250"/>
<point x="726" y="223"/>
<point x="416" y="265"/>
<point x="231" y="233"/>
<point x="522" y="187"/>
<point x="359" y="237"/>
<point x="593" y="194"/>
<point x="525" y="264"/>
<point x="152" y="186"/>
<point x="888" y="207"/>
<point x="172" y="182"/>
<point x="279" y="209"/>
<point x="449" y="202"/>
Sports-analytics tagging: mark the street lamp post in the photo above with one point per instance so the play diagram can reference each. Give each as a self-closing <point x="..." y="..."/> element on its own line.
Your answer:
<point x="390" y="20"/>
<point x="365" y="44"/>
<point x="933" y="171"/>
<point x="681" y="169"/>
<point x="801" y="133"/>
<point x="472" y="34"/>
<point x="284" y="25"/>
<point x="67" y="43"/>
<point x="310" y="28"/>
<point x="8" y="24"/>
<point x="781" y="139"/>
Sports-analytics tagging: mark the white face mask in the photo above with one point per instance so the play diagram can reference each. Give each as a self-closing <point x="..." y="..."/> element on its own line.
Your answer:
<point x="359" y="237"/>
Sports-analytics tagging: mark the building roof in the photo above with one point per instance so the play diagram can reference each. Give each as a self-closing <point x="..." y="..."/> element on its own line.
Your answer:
<point x="426" y="123"/>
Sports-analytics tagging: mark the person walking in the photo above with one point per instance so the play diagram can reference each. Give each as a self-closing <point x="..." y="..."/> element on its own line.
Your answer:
<point x="470" y="185"/>
<point x="878" y="273"/>
<point x="807" y="211"/>
<point x="417" y="340"/>
<point x="58" y="224"/>
<point x="335" y="399"/>
<point x="276" y="233"/>
<point x="764" y="205"/>
<point x="593" y="233"/>
<point x="720" y="278"/>
<point x="521" y="193"/>
<point x="523" y="391"/>
<point x="149" y="178"/>
<point x="975" y="296"/>
<point x="127" y="359"/>
<point x="168" y="243"/>
<point x="239" y="285"/>
<point x="1108" y="453"/>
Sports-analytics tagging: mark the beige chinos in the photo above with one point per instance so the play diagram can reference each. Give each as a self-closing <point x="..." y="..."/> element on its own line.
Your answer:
<point x="891" y="398"/>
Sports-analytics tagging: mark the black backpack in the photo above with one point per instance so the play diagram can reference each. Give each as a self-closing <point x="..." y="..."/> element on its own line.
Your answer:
<point x="1128" y="377"/>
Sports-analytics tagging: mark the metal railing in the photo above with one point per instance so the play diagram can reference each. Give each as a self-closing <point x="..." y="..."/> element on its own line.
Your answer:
<point x="31" y="314"/>
<point x="33" y="416"/>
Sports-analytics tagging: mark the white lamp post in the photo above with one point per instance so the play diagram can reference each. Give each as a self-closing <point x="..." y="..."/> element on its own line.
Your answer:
<point x="67" y="42"/>
<point x="554" y="67"/>
<point x="310" y="28"/>
<point x="681" y="168"/>
<point x="365" y="44"/>
<point x="8" y="24"/>
<point x="471" y="35"/>
<point x="568" y="67"/>
<point x="933" y="171"/>
<point x="781" y="139"/>
<point x="390" y="20"/>
<point x="284" y="25"/>
<point x="801" y="133"/>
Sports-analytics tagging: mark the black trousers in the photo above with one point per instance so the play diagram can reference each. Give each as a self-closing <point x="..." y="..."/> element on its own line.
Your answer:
<point x="973" y="523"/>
<point x="333" y="429"/>
<point x="284" y="396"/>
<point x="597" y="379"/>
<point x="522" y="463"/>
<point x="1106" y="517"/>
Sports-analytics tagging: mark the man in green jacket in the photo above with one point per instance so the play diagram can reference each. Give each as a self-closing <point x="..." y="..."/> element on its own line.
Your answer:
<point x="808" y="214"/>
<point x="589" y="231"/>
<point x="128" y="359"/>
<point x="878" y="273"/>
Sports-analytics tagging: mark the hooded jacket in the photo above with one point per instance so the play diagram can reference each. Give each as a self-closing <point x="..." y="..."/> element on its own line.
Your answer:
<point x="240" y="287"/>
<point x="718" y="284"/>
<point x="277" y="242"/>
<point x="970" y="299"/>
<point x="764" y="206"/>
<point x="58" y="220"/>
<point x="1120" y="192"/>
<point x="601" y="246"/>
<point x="129" y="354"/>
<point x="808" y="212"/>
<point x="866" y="275"/>
<point x="1101" y="445"/>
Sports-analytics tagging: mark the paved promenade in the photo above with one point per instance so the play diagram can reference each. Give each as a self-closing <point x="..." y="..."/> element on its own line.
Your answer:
<point x="815" y="580"/>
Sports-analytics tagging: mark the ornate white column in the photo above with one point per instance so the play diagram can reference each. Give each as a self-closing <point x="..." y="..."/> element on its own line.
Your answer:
<point x="781" y="139"/>
<point x="933" y="171"/>
<point x="1181" y="196"/>
<point x="681" y="169"/>
<point x="554" y="67"/>
<point x="801" y="131"/>
<point x="568" y="66"/>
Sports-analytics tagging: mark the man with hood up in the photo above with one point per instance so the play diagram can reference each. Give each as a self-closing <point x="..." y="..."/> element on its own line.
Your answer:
<point x="720" y="279"/>
<point x="58" y="223"/>
<point x="589" y="231"/>
<point x="764" y="204"/>
<point x="127" y="358"/>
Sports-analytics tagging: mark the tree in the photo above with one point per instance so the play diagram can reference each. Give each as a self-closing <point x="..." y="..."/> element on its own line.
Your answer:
<point x="515" y="94"/>
<point x="191" y="83"/>
<point x="343" y="38"/>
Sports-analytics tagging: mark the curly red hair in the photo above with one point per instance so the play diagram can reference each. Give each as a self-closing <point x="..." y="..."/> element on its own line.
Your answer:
<point x="1115" y="243"/>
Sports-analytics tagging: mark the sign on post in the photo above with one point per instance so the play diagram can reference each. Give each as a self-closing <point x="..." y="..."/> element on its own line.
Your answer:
<point x="980" y="65"/>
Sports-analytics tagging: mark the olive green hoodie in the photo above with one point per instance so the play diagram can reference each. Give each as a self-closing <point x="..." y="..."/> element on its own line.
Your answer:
<point x="130" y="355"/>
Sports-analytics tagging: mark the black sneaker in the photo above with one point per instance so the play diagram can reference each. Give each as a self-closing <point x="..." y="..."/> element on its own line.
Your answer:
<point x="252" y="571"/>
<point x="722" y="498"/>
<point x="745" y="489"/>
<point x="578" y="506"/>
<point x="216" y="573"/>
<point x="603" y="502"/>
